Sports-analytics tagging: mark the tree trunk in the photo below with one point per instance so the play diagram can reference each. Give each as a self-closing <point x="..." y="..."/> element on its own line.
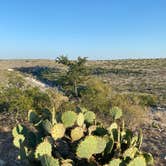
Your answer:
<point x="75" y="89"/>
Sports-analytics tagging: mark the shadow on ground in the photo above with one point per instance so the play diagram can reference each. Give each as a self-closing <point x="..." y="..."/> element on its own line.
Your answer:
<point x="8" y="153"/>
<point x="47" y="75"/>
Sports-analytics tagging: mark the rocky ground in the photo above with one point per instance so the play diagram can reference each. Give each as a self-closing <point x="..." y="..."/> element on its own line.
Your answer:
<point x="154" y="139"/>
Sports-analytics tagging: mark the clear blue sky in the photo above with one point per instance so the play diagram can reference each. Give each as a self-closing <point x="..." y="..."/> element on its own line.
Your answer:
<point x="98" y="29"/>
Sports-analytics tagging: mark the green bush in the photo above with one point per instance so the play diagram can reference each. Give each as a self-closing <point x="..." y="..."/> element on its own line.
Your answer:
<point x="17" y="97"/>
<point x="96" y="95"/>
<point x="142" y="99"/>
<point x="14" y="99"/>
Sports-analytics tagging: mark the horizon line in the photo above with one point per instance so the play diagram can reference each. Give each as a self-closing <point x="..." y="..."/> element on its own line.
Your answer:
<point x="51" y="59"/>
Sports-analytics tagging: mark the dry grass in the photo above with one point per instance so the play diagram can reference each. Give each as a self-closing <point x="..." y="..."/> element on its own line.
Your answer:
<point x="143" y="76"/>
<point x="6" y="64"/>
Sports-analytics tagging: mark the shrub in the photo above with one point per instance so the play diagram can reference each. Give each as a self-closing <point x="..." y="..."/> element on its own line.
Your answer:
<point x="142" y="99"/>
<point x="96" y="95"/>
<point x="135" y="113"/>
<point x="14" y="99"/>
<point x="147" y="99"/>
<point x="17" y="98"/>
<point x="40" y="100"/>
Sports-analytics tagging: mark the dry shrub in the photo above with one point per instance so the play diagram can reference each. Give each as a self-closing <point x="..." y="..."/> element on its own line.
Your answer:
<point x="142" y="99"/>
<point x="135" y="115"/>
<point x="158" y="117"/>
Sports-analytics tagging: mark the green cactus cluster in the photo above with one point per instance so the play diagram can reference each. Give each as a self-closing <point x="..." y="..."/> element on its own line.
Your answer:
<point x="76" y="138"/>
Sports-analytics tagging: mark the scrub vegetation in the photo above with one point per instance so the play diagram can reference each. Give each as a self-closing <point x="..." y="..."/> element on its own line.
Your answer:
<point x="54" y="102"/>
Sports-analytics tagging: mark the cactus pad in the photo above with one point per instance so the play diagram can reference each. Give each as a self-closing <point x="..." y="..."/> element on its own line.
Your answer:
<point x="140" y="138"/>
<point x="90" y="145"/>
<point x="134" y="140"/>
<point x="67" y="162"/>
<point x="130" y="152"/>
<point x="43" y="148"/>
<point x="83" y="109"/>
<point x="17" y="130"/>
<point x="109" y="146"/>
<point x="77" y="133"/>
<point x="91" y="129"/>
<point x="115" y="162"/>
<point x="18" y="140"/>
<point x="33" y="117"/>
<point x="149" y="158"/>
<point x="116" y="113"/>
<point x="138" y="161"/>
<point x="49" y="161"/>
<point x="58" y="131"/>
<point x="68" y="118"/>
<point x="112" y="126"/>
<point x="47" y="125"/>
<point x="100" y="131"/>
<point x="89" y="117"/>
<point x="80" y="119"/>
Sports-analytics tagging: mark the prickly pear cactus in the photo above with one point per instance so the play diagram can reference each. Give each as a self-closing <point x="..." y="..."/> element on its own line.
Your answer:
<point x="109" y="145"/>
<point x="43" y="148"/>
<point x="149" y="158"/>
<point x="91" y="145"/>
<point x="92" y="129"/>
<point x="139" y="140"/>
<point x="19" y="129"/>
<point x="67" y="162"/>
<point x="89" y="117"/>
<point x="77" y="133"/>
<point x="116" y="113"/>
<point x="112" y="126"/>
<point x="78" y="139"/>
<point x="80" y="119"/>
<point x="49" y="161"/>
<point x="131" y="152"/>
<point x="114" y="162"/>
<point x="18" y="140"/>
<point x="58" y="131"/>
<point x="47" y="125"/>
<point x="33" y="117"/>
<point x="69" y="118"/>
<point x="83" y="109"/>
<point x="140" y="160"/>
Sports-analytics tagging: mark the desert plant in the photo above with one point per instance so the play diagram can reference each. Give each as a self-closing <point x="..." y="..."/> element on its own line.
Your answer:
<point x="76" y="138"/>
<point x="96" y="95"/>
<point x="134" y="113"/>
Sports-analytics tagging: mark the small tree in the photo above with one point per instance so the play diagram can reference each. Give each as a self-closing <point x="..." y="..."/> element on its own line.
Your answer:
<point x="75" y="75"/>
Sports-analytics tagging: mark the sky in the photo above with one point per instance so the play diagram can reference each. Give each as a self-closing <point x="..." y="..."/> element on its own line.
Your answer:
<point x="97" y="29"/>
